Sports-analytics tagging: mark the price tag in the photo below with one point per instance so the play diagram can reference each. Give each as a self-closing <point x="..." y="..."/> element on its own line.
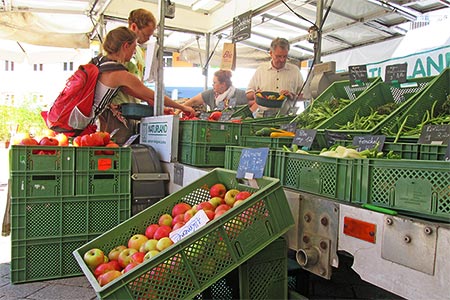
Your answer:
<point x="291" y="127"/>
<point x="304" y="137"/>
<point x="358" y="74"/>
<point x="130" y="140"/>
<point x="226" y="115"/>
<point x="435" y="134"/>
<point x="396" y="73"/>
<point x="242" y="27"/>
<point x="252" y="163"/>
<point x="195" y="223"/>
<point x="332" y="137"/>
<point x="369" y="141"/>
<point x="204" y="115"/>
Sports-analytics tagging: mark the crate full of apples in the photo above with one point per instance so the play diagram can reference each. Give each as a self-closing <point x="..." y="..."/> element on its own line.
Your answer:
<point x="187" y="241"/>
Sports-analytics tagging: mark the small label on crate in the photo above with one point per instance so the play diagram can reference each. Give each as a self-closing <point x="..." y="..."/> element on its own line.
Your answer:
<point x="304" y="137"/>
<point x="195" y="223"/>
<point x="104" y="164"/>
<point x="364" y="142"/>
<point x="435" y="134"/>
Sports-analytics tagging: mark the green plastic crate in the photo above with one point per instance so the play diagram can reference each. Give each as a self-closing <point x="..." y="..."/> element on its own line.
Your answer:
<point x="270" y="120"/>
<point x="413" y="186"/>
<point x="211" y="132"/>
<point x="45" y="259"/>
<point x="42" y="184"/>
<point x="264" y="276"/>
<point x="201" y="154"/>
<point x="55" y="217"/>
<point x="233" y="157"/>
<point x="41" y="158"/>
<point x="432" y="152"/>
<point x="265" y="141"/>
<point x="325" y="176"/>
<point x="101" y="183"/>
<point x="379" y="94"/>
<point x="102" y="159"/>
<point x="242" y="111"/>
<point x="436" y="93"/>
<point x="190" y="266"/>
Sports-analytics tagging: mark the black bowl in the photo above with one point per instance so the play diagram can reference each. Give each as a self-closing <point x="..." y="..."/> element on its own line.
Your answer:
<point x="136" y="111"/>
<point x="267" y="102"/>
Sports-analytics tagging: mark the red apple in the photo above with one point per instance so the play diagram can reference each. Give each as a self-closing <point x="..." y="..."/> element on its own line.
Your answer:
<point x="114" y="253"/>
<point x="178" y="225"/>
<point x="230" y="196"/>
<point x="222" y="207"/>
<point x="177" y="219"/>
<point x="150" y="230"/>
<point x="130" y="266"/>
<point x="180" y="208"/>
<point x="125" y="256"/>
<point x="218" y="213"/>
<point x="189" y="214"/>
<point x="205" y="205"/>
<point x="165" y="219"/>
<point x="136" y="241"/>
<point x="115" y="264"/>
<point x="210" y="214"/>
<point x="93" y="258"/>
<point x="162" y="231"/>
<point x="242" y="195"/>
<point x="137" y="257"/>
<point x="103" y="268"/>
<point x="108" y="277"/>
<point x="218" y="190"/>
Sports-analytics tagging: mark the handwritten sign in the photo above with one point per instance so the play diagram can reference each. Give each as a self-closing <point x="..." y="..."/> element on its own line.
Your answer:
<point x="242" y="26"/>
<point x="332" y="137"/>
<point x="369" y="142"/>
<point x="358" y="74"/>
<point x="304" y="137"/>
<point x="252" y="163"/>
<point x="396" y="73"/>
<point x="435" y="134"/>
<point x="291" y="127"/>
<point x="195" y="223"/>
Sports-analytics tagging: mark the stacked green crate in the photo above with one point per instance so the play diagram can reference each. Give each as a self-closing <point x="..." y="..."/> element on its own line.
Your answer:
<point x="202" y="143"/>
<point x="233" y="157"/>
<point x="51" y="213"/>
<point x="356" y="113"/>
<point x="194" y="263"/>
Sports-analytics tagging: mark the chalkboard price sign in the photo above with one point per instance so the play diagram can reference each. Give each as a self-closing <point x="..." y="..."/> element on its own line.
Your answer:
<point x="358" y="74"/>
<point x="435" y="134"/>
<point x="332" y="137"/>
<point x="396" y="73"/>
<point x="242" y="26"/>
<point x="252" y="163"/>
<point x="292" y="127"/>
<point x="369" y="142"/>
<point x="304" y="137"/>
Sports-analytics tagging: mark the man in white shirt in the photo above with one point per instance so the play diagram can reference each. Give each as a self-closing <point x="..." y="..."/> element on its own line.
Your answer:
<point x="275" y="76"/>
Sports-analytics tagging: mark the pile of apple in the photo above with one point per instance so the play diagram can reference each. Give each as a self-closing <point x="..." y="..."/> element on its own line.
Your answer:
<point x="142" y="246"/>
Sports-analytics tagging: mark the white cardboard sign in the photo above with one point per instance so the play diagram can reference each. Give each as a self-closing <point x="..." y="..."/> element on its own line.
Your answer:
<point x="195" y="223"/>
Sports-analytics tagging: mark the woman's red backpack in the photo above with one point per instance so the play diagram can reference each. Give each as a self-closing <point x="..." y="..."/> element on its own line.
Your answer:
<point x="72" y="110"/>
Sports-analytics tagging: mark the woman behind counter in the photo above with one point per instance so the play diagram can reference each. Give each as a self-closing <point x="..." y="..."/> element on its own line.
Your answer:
<point x="222" y="95"/>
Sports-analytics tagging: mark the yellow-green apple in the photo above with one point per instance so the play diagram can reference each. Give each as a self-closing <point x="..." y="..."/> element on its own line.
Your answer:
<point x="230" y="196"/>
<point x="162" y="231"/>
<point x="178" y="225"/>
<point x="150" y="254"/>
<point x="165" y="219"/>
<point x="177" y="219"/>
<point x="216" y="201"/>
<point x="242" y="195"/>
<point x="217" y="190"/>
<point x="136" y="241"/>
<point x="138" y="257"/>
<point x="189" y="214"/>
<point x="150" y="230"/>
<point x="149" y="245"/>
<point x="130" y="266"/>
<point x="108" y="277"/>
<point x="105" y="258"/>
<point x="93" y="258"/>
<point x="180" y="208"/>
<point x="103" y="268"/>
<point x="163" y="243"/>
<point x="222" y="207"/>
<point x="205" y="205"/>
<point x="125" y="256"/>
<point x="114" y="253"/>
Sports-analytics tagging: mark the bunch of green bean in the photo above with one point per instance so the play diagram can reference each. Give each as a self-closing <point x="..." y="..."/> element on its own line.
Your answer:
<point x="363" y="122"/>
<point x="319" y="112"/>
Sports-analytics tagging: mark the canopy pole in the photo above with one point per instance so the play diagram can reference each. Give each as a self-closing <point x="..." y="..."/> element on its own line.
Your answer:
<point x="205" y="67"/>
<point x="318" y="43"/>
<point x="159" y="91"/>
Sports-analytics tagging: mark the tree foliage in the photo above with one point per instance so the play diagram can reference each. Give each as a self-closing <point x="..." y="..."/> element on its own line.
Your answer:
<point x="25" y="119"/>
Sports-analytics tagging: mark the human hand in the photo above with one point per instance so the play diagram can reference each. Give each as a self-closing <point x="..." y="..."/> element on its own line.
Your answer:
<point x="287" y="94"/>
<point x="188" y="110"/>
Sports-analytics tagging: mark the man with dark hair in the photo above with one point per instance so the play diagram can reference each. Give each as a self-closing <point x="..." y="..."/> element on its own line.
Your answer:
<point x="143" y="23"/>
<point x="277" y="75"/>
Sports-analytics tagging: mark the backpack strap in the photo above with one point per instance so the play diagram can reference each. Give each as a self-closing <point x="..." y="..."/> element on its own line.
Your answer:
<point x="104" y="64"/>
